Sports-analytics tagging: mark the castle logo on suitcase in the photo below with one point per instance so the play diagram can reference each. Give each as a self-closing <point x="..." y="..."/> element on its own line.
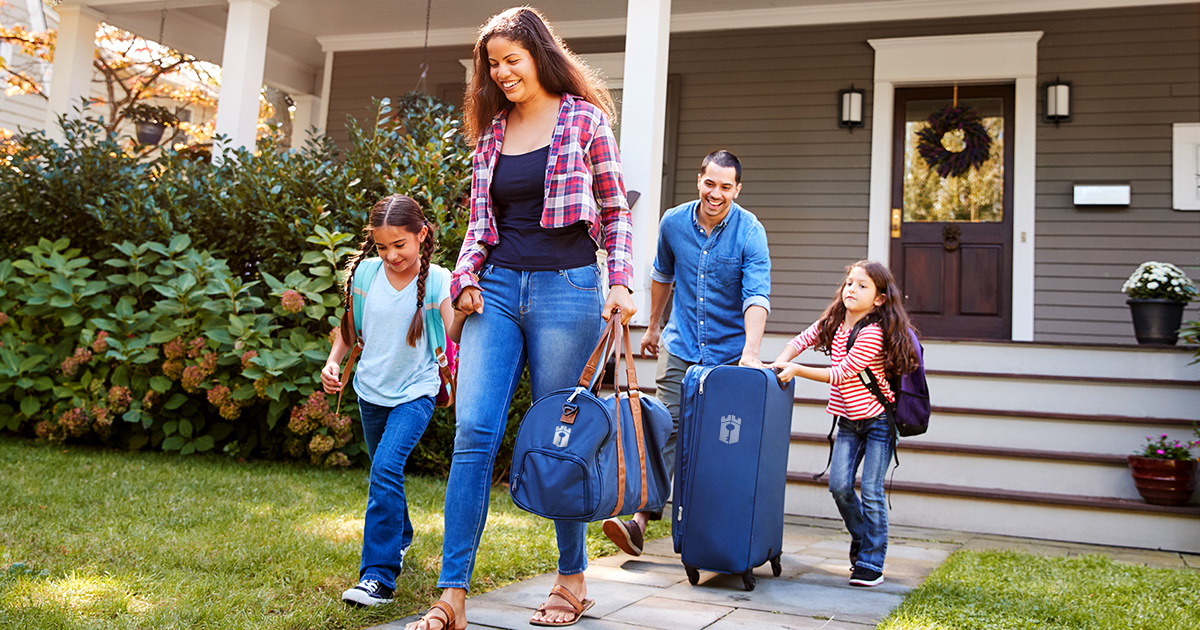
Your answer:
<point x="731" y="428"/>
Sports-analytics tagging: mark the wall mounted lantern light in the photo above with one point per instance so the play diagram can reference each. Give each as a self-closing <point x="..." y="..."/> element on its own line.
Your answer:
<point x="1056" y="106"/>
<point x="850" y="108"/>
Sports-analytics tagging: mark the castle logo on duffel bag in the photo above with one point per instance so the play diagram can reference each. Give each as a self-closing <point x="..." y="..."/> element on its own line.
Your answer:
<point x="731" y="429"/>
<point x="562" y="435"/>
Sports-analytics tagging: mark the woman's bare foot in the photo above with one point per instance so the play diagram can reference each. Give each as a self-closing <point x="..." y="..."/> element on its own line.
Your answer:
<point x="438" y="619"/>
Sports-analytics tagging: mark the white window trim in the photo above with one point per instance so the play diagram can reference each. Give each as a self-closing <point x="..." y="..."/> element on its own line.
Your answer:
<point x="962" y="58"/>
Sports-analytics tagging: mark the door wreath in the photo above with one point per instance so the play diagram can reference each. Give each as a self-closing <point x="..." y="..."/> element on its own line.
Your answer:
<point x="954" y="142"/>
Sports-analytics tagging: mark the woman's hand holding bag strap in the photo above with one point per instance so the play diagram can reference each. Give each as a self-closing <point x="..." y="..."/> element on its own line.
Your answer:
<point x="578" y="457"/>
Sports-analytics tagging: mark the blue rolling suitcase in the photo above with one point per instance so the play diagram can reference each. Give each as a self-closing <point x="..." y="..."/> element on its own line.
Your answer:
<point x="731" y="470"/>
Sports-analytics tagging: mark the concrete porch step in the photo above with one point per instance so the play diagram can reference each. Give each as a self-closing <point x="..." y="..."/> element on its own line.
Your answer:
<point x="990" y="467"/>
<point x="1134" y="397"/>
<point x="1054" y="516"/>
<point x="1100" y="434"/>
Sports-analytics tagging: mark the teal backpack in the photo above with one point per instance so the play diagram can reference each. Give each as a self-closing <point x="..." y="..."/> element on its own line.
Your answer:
<point x="444" y="350"/>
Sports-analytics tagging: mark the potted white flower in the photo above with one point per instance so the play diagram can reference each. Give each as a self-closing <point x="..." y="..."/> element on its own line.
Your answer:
<point x="1158" y="293"/>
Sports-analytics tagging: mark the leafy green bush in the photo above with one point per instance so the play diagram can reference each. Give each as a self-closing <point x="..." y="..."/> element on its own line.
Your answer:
<point x="184" y="306"/>
<point x="169" y="349"/>
<point x="255" y="208"/>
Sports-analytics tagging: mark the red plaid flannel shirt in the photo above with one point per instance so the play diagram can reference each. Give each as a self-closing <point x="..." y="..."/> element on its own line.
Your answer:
<point x="583" y="183"/>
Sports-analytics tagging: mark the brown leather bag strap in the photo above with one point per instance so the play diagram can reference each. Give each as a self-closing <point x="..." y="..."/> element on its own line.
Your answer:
<point x="602" y="349"/>
<point x="613" y="321"/>
<point x="355" y="350"/>
<point x="635" y="406"/>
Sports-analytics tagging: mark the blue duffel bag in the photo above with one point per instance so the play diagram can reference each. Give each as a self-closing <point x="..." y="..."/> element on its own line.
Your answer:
<point x="579" y="457"/>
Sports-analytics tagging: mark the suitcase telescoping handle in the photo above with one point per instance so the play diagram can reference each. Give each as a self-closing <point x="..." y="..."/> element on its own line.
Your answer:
<point x="781" y="384"/>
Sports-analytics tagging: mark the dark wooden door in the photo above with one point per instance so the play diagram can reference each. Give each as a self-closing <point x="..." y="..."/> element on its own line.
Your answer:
<point x="952" y="236"/>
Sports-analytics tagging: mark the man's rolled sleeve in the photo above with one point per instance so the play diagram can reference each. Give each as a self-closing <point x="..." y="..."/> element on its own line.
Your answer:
<point x="663" y="269"/>
<point x="756" y="270"/>
<point x="756" y="300"/>
<point x="659" y="276"/>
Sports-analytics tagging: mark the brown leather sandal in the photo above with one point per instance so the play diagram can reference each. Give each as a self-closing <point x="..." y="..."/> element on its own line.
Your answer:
<point x="429" y="619"/>
<point x="576" y="607"/>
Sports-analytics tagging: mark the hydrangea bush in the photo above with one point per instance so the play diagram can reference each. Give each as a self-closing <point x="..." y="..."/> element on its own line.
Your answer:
<point x="1159" y="281"/>
<point x="186" y="307"/>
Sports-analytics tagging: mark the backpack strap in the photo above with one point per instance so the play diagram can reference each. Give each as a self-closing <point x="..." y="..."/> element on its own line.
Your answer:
<point x="364" y="275"/>
<point x="833" y="427"/>
<point x="867" y="377"/>
<point x="435" y="326"/>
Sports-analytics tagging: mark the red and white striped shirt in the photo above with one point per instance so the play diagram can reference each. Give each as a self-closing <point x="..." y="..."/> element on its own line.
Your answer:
<point x="847" y="395"/>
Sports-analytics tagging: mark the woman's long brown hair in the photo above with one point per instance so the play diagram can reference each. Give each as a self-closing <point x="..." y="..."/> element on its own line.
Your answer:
<point x="558" y="69"/>
<point x="394" y="211"/>
<point x="899" y="353"/>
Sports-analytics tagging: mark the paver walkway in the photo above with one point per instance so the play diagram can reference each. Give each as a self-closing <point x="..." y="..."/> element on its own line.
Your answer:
<point x="812" y="593"/>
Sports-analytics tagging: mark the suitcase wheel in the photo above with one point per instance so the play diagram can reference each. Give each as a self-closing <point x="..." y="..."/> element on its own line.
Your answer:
<point x="776" y="566"/>
<point x="693" y="575"/>
<point x="748" y="580"/>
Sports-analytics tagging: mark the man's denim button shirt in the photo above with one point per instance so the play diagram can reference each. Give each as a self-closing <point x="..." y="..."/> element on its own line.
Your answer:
<point x="717" y="277"/>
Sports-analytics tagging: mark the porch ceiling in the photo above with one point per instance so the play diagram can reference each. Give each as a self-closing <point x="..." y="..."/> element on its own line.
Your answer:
<point x="303" y="30"/>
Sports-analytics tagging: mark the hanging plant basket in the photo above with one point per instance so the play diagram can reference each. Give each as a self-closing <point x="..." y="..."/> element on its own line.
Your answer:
<point x="954" y="142"/>
<point x="150" y="132"/>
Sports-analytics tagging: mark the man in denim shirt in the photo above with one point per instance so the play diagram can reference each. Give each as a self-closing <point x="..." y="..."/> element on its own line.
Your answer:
<point x="715" y="253"/>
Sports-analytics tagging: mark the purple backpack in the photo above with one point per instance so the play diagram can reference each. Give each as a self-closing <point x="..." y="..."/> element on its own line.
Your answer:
<point x="909" y="415"/>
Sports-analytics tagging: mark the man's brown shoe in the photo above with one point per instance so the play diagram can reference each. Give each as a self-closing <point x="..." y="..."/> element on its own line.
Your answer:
<point x="627" y="536"/>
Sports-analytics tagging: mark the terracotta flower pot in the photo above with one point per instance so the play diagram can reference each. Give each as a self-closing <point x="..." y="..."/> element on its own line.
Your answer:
<point x="1164" y="481"/>
<point x="1156" y="321"/>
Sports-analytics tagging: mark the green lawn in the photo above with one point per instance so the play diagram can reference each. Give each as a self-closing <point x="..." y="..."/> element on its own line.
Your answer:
<point x="105" y="539"/>
<point x="1001" y="590"/>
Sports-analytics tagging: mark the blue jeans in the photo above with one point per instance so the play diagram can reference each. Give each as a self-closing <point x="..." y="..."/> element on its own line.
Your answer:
<point x="549" y="320"/>
<point x="867" y="519"/>
<point x="391" y="434"/>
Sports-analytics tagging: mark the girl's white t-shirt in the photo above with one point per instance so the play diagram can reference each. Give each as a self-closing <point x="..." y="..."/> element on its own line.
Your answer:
<point x="390" y="372"/>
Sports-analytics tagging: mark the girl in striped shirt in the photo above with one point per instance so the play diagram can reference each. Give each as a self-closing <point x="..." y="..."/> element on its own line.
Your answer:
<point x="868" y="302"/>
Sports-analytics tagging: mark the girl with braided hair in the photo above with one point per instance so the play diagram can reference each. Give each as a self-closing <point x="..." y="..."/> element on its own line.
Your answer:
<point x="397" y="378"/>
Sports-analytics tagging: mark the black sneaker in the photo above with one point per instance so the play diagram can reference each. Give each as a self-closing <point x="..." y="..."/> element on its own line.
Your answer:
<point x="627" y="536"/>
<point x="863" y="576"/>
<point x="368" y="593"/>
<point x="855" y="545"/>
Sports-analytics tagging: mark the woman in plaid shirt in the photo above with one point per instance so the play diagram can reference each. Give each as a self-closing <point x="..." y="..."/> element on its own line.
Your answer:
<point x="546" y="193"/>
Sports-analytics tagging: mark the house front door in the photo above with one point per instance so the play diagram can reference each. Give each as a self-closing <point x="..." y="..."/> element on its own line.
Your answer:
<point x="951" y="231"/>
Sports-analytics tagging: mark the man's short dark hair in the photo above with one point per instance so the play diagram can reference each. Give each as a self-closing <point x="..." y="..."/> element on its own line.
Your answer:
<point x="724" y="159"/>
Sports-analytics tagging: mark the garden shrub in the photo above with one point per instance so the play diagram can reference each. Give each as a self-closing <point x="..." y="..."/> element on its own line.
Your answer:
<point x="184" y="306"/>
<point x="255" y="208"/>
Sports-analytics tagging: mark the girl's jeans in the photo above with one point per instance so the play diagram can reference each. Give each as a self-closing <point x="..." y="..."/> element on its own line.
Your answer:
<point x="867" y="519"/>
<point x="550" y="321"/>
<point x="391" y="434"/>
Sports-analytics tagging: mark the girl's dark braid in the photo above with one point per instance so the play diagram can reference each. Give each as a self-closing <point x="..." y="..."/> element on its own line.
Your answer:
<point x="418" y="323"/>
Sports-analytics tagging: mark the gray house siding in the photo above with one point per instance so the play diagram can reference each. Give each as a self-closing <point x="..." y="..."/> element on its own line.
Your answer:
<point x="1133" y="74"/>
<point x="769" y="96"/>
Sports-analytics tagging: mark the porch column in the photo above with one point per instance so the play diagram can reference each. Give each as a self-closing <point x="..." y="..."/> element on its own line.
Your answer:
<point x="242" y="66"/>
<point x="73" y="67"/>
<point x="643" y="120"/>
<point x="308" y="109"/>
<point x="322" y="120"/>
